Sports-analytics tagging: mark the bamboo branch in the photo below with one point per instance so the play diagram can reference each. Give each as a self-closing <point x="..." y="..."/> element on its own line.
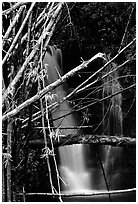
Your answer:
<point x="32" y="54"/>
<point x="118" y="141"/>
<point x="12" y="24"/>
<point x="28" y="35"/>
<point x="18" y="34"/>
<point x="45" y="16"/>
<point x="38" y="21"/>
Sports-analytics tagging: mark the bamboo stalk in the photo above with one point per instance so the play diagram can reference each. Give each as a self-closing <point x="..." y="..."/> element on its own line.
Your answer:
<point x="3" y="182"/>
<point x="14" y="7"/>
<point x="32" y="54"/>
<point x="45" y="17"/>
<point x="9" y="138"/>
<point x="9" y="148"/>
<point x="18" y="34"/>
<point x="51" y="141"/>
<point x="12" y="24"/>
<point x="45" y="140"/>
<point x="36" y="24"/>
<point x="28" y="35"/>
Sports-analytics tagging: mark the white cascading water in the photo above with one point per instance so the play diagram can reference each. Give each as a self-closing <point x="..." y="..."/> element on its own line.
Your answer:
<point x="72" y="163"/>
<point x="112" y="123"/>
<point x="76" y="176"/>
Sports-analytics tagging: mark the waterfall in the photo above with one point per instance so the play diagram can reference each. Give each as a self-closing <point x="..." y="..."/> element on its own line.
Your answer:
<point x="72" y="166"/>
<point x="75" y="175"/>
<point x="112" y="122"/>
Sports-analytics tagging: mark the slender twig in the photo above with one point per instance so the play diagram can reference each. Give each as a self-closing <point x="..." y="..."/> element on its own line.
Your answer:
<point x="98" y="79"/>
<point x="89" y="193"/>
<point x="123" y="38"/>
<point x="104" y="175"/>
<point x="69" y="127"/>
<point x="92" y="83"/>
<point x="98" y="101"/>
<point x="102" y="68"/>
<point x="130" y="107"/>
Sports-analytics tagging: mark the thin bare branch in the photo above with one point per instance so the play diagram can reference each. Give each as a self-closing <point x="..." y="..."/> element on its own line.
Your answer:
<point x="97" y="101"/>
<point x="123" y="38"/>
<point x="89" y="193"/>
<point x="100" y="70"/>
